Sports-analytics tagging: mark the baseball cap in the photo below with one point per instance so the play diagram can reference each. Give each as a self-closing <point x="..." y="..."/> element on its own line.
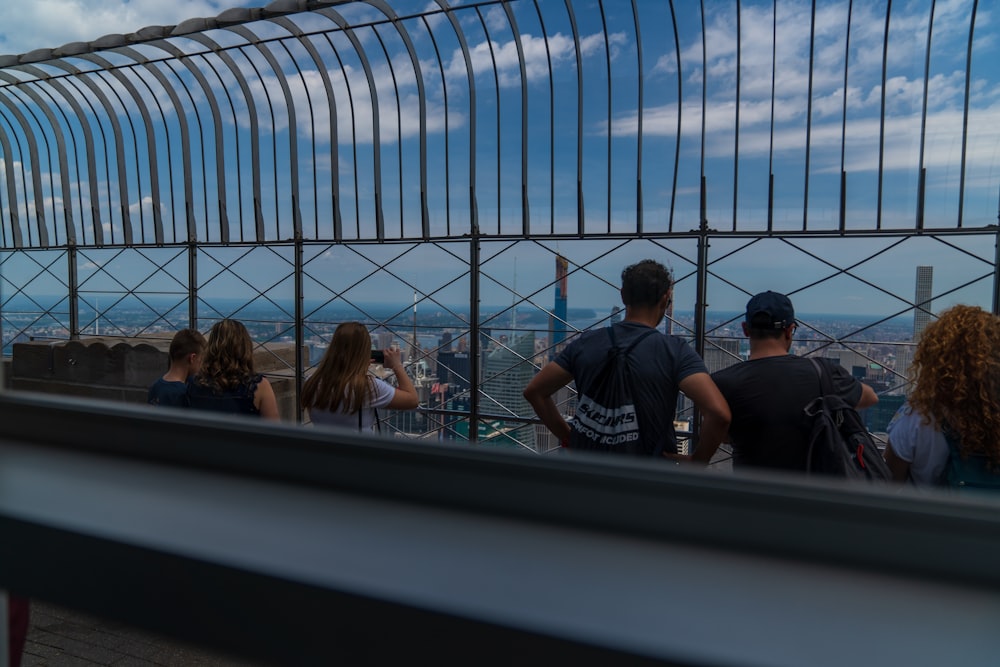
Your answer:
<point x="776" y="306"/>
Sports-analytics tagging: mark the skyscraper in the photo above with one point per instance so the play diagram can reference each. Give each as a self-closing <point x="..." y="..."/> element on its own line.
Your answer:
<point x="922" y="300"/>
<point x="559" y="310"/>
<point x="507" y="370"/>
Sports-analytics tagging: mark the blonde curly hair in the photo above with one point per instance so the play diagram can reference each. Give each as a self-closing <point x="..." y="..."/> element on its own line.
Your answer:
<point x="956" y="371"/>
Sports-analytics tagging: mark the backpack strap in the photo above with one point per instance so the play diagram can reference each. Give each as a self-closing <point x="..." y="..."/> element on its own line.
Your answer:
<point x="623" y="354"/>
<point x="825" y="385"/>
<point x="631" y="346"/>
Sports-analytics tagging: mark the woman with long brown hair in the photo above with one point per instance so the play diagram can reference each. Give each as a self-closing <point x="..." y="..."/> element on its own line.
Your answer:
<point x="227" y="381"/>
<point x="952" y="419"/>
<point x="343" y="393"/>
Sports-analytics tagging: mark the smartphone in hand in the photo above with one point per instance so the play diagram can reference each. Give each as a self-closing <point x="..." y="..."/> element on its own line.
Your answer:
<point x="378" y="357"/>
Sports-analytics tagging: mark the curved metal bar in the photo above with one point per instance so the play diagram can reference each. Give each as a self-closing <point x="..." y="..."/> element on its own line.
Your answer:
<point x="473" y="109"/>
<point x="580" y="220"/>
<point x="770" y="144"/>
<point x="57" y="132"/>
<point x="680" y="105"/>
<point x="241" y="81"/>
<point x="121" y="164"/>
<point x="496" y="87"/>
<point x="881" y="123"/>
<point x="293" y="139"/>
<point x="89" y="147"/>
<point x="843" y="121"/>
<point x="809" y="118"/>
<point x="639" y="115"/>
<point x="399" y="126"/>
<point x="192" y="218"/>
<point x="331" y="99"/>
<point x="354" y="135"/>
<point x="297" y="196"/>
<point x="923" y="121"/>
<point x="703" y="221"/>
<point x="607" y="62"/>
<point x="447" y="126"/>
<point x="422" y="100"/>
<point x="185" y="139"/>
<point x="525" y="208"/>
<point x="376" y="131"/>
<point x="36" y="174"/>
<point x="11" y="208"/>
<point x="736" y="123"/>
<point x="151" y="148"/>
<point x="552" y="122"/>
<point x="965" y="112"/>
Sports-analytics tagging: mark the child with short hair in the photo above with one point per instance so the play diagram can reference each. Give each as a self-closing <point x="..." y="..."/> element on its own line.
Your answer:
<point x="186" y="348"/>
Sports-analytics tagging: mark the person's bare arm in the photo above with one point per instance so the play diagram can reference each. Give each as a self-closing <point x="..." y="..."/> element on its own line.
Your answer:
<point x="715" y="414"/>
<point x="405" y="396"/>
<point x="900" y="469"/>
<point x="266" y="401"/>
<point x="868" y="397"/>
<point x="539" y="392"/>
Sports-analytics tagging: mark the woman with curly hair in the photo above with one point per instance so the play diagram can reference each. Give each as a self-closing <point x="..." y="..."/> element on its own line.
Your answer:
<point x="951" y="423"/>
<point x="342" y="393"/>
<point x="226" y="381"/>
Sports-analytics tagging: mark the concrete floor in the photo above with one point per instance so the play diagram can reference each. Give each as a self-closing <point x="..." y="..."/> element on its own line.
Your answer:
<point x="61" y="637"/>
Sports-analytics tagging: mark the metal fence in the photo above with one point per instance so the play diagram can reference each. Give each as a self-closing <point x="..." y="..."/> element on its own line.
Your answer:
<point x="428" y="167"/>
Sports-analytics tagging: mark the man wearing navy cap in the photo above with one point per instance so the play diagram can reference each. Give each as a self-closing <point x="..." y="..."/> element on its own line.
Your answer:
<point x="768" y="392"/>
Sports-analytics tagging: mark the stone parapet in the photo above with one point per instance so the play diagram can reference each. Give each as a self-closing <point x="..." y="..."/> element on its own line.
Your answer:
<point x="122" y="368"/>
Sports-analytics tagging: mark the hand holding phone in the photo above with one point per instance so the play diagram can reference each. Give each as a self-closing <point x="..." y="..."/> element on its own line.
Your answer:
<point x="378" y="357"/>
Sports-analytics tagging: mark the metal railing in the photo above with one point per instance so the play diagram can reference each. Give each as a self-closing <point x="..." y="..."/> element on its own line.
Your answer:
<point x="576" y="563"/>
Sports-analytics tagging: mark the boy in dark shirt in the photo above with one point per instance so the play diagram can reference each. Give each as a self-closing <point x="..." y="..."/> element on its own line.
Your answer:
<point x="185" y="360"/>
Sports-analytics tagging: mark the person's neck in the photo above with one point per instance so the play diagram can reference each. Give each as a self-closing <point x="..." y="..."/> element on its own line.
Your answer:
<point x="767" y="347"/>
<point x="650" y="317"/>
<point x="175" y="374"/>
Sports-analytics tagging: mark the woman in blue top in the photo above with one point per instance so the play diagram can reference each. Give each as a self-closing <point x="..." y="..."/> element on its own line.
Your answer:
<point x="342" y="393"/>
<point x="226" y="381"/>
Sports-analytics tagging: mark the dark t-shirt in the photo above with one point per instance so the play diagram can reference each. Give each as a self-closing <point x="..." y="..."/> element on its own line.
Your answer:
<point x="657" y="365"/>
<point x="165" y="392"/>
<point x="234" y="401"/>
<point x="767" y="397"/>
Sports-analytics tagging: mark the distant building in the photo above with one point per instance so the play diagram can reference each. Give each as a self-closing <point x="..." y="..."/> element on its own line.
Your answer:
<point x="877" y="416"/>
<point x="616" y="314"/>
<point x="922" y="300"/>
<point x="506" y="372"/>
<point x="722" y="353"/>
<point x="559" y="310"/>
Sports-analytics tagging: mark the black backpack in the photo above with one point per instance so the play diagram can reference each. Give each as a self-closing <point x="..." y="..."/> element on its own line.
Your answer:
<point x="606" y="419"/>
<point x="839" y="443"/>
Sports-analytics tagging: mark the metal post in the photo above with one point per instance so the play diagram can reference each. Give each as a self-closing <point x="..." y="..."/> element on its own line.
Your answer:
<point x="702" y="287"/>
<point x="996" y="272"/>
<point x="193" y="283"/>
<point x="72" y="284"/>
<point x="300" y="360"/>
<point x="474" y="347"/>
<point x="701" y="304"/>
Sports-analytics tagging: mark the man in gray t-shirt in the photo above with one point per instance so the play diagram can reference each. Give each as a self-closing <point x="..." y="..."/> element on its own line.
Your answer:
<point x="659" y="366"/>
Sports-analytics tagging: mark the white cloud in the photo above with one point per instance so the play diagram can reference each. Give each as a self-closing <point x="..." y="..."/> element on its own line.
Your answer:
<point x="560" y="48"/>
<point x="25" y="26"/>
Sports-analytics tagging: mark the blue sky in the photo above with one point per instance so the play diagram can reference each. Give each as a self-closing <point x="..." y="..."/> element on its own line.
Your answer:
<point x="769" y="264"/>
